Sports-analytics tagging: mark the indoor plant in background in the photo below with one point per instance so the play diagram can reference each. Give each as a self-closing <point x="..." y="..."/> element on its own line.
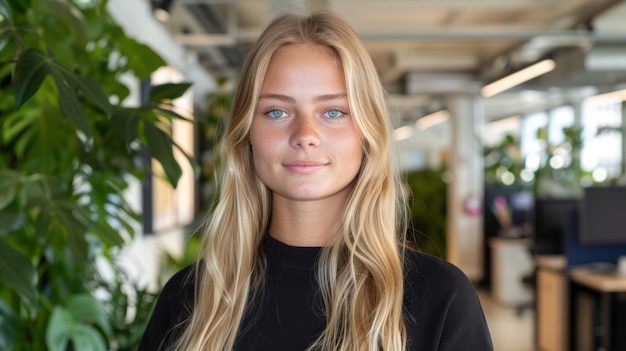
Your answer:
<point x="68" y="152"/>
<point x="557" y="174"/>
<point x="428" y="229"/>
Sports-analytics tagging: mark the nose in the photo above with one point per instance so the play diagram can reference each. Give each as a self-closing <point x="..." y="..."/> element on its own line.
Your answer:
<point x="305" y="132"/>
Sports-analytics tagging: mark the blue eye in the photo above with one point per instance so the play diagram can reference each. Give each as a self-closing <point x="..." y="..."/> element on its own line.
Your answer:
<point x="334" y="114"/>
<point x="276" y="113"/>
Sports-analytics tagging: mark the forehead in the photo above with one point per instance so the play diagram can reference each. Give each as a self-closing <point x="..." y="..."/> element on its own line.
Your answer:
<point x="308" y="62"/>
<point x="305" y="53"/>
<point x="318" y="48"/>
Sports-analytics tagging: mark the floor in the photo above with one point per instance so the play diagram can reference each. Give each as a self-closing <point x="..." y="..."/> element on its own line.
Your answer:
<point x="510" y="329"/>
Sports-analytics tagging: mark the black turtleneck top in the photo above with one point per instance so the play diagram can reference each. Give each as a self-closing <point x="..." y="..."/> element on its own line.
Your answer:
<point x="442" y="310"/>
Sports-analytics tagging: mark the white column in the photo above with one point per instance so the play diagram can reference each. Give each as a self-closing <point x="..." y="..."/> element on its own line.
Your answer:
<point x="465" y="231"/>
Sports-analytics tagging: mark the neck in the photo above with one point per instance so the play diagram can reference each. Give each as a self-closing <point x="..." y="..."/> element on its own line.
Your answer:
<point x="304" y="224"/>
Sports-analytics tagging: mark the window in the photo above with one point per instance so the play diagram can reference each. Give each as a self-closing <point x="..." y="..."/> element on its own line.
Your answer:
<point x="560" y="118"/>
<point x="602" y="138"/>
<point x="531" y="145"/>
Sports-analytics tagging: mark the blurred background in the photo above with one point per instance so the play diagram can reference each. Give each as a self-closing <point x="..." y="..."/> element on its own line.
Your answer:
<point x="509" y="124"/>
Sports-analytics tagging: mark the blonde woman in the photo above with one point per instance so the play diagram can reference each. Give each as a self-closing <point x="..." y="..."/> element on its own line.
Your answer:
<point x="305" y="250"/>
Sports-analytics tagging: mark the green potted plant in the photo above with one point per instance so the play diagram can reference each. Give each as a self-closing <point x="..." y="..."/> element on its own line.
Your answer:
<point x="428" y="228"/>
<point x="68" y="152"/>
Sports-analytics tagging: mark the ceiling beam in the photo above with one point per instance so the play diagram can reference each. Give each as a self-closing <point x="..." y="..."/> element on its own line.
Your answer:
<point x="492" y="5"/>
<point x="433" y="5"/>
<point x="492" y="34"/>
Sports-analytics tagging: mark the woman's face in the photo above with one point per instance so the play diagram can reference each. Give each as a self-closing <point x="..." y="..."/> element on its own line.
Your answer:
<point x="304" y="143"/>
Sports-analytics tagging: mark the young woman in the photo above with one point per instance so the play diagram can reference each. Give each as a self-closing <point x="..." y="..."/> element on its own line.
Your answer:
<point x="305" y="250"/>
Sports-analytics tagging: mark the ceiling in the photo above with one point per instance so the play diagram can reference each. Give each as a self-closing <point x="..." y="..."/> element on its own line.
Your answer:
<point x="425" y="50"/>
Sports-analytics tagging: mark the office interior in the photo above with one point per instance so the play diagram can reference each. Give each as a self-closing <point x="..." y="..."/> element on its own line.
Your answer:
<point x="521" y="231"/>
<point x="514" y="110"/>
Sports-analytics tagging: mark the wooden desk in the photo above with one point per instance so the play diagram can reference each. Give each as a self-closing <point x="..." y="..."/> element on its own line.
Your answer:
<point x="552" y="296"/>
<point x="598" y="308"/>
<point x="601" y="281"/>
<point x="553" y="262"/>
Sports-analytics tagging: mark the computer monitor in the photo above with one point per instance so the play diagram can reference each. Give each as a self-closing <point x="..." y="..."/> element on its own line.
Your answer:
<point x="603" y="216"/>
<point x="550" y="221"/>
<point x="519" y="201"/>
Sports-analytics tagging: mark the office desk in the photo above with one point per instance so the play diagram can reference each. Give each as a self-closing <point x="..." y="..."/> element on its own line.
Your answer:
<point x="552" y="296"/>
<point x="598" y="308"/>
<point x="608" y="282"/>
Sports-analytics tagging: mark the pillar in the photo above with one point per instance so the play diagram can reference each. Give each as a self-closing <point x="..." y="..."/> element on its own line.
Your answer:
<point x="465" y="232"/>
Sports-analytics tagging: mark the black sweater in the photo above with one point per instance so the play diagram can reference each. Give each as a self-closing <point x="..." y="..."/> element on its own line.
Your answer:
<point x="442" y="310"/>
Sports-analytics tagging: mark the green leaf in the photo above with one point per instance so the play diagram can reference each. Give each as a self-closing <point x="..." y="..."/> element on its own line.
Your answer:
<point x="71" y="108"/>
<point x="43" y="221"/>
<point x="160" y="146"/>
<point x="9" y="327"/>
<point x="142" y="59"/>
<point x="5" y="11"/>
<point x="11" y="221"/>
<point x="80" y="216"/>
<point x="17" y="272"/>
<point x="18" y="126"/>
<point x="171" y="114"/>
<point x="32" y="196"/>
<point x="168" y="91"/>
<point x="87" y="339"/>
<point x="95" y="22"/>
<point x="8" y="182"/>
<point x="5" y="22"/>
<point x="40" y="189"/>
<point x="76" y="230"/>
<point x="3" y="39"/>
<point x="31" y="69"/>
<point x="86" y="309"/>
<point x="63" y="328"/>
<point x="59" y="327"/>
<point x="197" y="170"/>
<point x="126" y="123"/>
<point x="92" y="89"/>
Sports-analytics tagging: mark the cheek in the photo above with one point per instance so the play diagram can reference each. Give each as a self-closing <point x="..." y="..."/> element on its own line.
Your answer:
<point x="263" y="151"/>
<point x="351" y="145"/>
<point x="258" y="138"/>
<point x="356" y="155"/>
<point x="259" y="153"/>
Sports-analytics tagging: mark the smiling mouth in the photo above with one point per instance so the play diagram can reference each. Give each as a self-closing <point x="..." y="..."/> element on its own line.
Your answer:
<point x="305" y="167"/>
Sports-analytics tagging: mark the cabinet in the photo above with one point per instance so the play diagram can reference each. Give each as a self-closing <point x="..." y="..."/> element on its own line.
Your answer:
<point x="552" y="304"/>
<point x="511" y="262"/>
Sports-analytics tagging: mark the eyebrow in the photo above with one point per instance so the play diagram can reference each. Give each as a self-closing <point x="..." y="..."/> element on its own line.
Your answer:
<point x="325" y="97"/>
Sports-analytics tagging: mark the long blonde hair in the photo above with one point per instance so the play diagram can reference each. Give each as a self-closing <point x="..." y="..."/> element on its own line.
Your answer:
<point x="361" y="272"/>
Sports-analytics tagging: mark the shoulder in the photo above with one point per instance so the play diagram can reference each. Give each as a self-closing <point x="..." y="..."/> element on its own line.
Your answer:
<point x="181" y="283"/>
<point x="442" y="306"/>
<point x="432" y="279"/>
<point x="177" y="296"/>
<point x="173" y="306"/>
<point x="422" y="269"/>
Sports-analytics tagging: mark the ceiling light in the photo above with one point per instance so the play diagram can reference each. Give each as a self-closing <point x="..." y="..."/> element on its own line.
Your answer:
<point x="518" y="78"/>
<point x="162" y="15"/>
<point x="505" y="124"/>
<point x="162" y="11"/>
<point x="432" y="119"/>
<point x="402" y="133"/>
<point x="613" y="96"/>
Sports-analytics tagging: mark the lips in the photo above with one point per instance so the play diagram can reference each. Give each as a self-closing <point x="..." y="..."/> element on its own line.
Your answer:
<point x="305" y="167"/>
